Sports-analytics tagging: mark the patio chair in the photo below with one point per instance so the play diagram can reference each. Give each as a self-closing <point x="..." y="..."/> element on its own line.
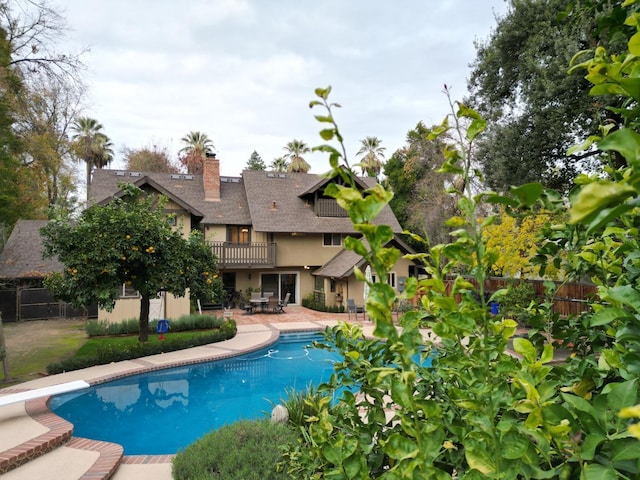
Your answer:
<point x="353" y="308"/>
<point x="273" y="304"/>
<point x="284" y="302"/>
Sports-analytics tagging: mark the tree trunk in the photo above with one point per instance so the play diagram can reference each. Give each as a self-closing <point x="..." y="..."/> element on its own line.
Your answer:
<point x="3" y="352"/>
<point x="145" y="301"/>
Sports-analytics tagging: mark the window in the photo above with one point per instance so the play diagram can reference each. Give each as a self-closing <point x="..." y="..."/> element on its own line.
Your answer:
<point x="391" y="279"/>
<point x="332" y="240"/>
<point x="171" y="220"/>
<point x="239" y="234"/>
<point x="128" y="292"/>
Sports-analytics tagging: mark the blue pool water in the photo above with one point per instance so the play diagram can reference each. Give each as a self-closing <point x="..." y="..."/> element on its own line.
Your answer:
<point x="164" y="411"/>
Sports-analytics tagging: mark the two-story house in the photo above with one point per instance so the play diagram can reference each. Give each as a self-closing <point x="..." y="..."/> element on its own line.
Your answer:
<point x="273" y="231"/>
<point x="277" y="232"/>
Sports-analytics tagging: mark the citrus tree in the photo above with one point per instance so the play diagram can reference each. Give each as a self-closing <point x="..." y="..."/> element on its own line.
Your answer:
<point x="439" y="394"/>
<point x="127" y="242"/>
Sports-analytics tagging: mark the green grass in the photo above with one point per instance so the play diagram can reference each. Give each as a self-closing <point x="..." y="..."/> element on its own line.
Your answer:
<point x="28" y="358"/>
<point x="94" y="344"/>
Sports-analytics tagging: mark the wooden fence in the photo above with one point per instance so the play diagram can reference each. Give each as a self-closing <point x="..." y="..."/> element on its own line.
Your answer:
<point x="569" y="299"/>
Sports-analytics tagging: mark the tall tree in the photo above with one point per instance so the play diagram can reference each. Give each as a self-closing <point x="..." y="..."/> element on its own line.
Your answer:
<point x="148" y="159"/>
<point x="40" y="89"/>
<point x="255" y="162"/>
<point x="279" y="165"/>
<point x="372" y="155"/>
<point x="44" y="122"/>
<point x="295" y="149"/>
<point x="420" y="199"/>
<point x="196" y="147"/>
<point x="33" y="28"/>
<point x="536" y="111"/>
<point x="10" y="166"/>
<point x="91" y="145"/>
<point x="128" y="242"/>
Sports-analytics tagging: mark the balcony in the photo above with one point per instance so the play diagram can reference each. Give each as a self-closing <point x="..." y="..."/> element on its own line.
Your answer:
<point x="328" y="207"/>
<point x="244" y="255"/>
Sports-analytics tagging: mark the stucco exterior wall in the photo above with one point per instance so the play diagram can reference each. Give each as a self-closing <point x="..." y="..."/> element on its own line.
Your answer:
<point x="303" y="250"/>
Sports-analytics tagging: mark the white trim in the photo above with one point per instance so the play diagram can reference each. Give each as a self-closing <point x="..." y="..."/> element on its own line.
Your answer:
<point x="43" y="392"/>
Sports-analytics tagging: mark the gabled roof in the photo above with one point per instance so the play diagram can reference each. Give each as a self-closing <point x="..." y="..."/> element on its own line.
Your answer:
<point x="143" y="182"/>
<point x="233" y="210"/>
<point x="268" y="201"/>
<point x="276" y="205"/>
<point x="22" y="255"/>
<point x="344" y="262"/>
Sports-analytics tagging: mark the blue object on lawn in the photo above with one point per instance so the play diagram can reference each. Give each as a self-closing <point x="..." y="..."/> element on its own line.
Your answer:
<point x="163" y="326"/>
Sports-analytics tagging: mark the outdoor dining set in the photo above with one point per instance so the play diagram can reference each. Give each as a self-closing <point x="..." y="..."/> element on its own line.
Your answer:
<point x="266" y="302"/>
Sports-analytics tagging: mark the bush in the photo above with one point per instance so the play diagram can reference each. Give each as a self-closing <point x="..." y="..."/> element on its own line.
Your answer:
<point x="515" y="302"/>
<point x="245" y="450"/>
<point x="311" y="303"/>
<point x="300" y="404"/>
<point x="110" y="353"/>
<point x="131" y="326"/>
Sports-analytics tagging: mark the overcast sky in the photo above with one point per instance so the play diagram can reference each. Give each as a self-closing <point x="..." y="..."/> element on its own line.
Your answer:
<point x="244" y="71"/>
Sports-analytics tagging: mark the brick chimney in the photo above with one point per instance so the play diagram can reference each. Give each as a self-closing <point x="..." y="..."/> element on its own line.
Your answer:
<point x="211" y="178"/>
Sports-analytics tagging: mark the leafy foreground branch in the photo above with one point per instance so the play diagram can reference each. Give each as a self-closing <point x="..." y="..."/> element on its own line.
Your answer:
<point x="477" y="411"/>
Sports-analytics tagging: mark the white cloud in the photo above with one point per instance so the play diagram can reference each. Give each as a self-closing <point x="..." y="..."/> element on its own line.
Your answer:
<point x="244" y="71"/>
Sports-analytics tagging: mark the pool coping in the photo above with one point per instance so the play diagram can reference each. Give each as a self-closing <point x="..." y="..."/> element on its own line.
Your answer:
<point x="60" y="431"/>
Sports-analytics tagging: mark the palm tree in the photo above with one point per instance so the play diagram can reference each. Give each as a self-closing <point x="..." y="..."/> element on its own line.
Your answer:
<point x="372" y="154"/>
<point x="279" y="165"/>
<point x="192" y="155"/>
<point x="295" y="149"/>
<point x="91" y="145"/>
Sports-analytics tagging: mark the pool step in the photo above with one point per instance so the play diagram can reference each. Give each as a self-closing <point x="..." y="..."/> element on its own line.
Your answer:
<point x="78" y="459"/>
<point x="56" y="454"/>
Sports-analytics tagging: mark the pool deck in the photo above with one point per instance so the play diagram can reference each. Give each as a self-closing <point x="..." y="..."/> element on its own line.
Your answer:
<point x="35" y="443"/>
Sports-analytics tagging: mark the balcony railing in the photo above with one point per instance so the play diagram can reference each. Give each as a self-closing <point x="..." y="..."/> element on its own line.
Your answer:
<point x="244" y="255"/>
<point x="328" y="207"/>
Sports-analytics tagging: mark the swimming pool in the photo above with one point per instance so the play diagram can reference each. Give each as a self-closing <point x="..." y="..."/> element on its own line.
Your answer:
<point x="162" y="412"/>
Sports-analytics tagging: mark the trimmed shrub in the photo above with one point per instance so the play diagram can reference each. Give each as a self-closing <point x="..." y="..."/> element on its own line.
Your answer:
<point x="110" y="353"/>
<point x="131" y="326"/>
<point x="245" y="450"/>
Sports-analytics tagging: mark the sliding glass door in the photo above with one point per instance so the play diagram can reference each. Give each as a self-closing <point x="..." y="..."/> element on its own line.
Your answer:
<point x="281" y="284"/>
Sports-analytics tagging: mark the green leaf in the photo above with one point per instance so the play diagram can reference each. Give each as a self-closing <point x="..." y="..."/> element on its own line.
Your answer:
<point x="596" y="196"/>
<point x="606" y="316"/>
<point x="400" y="447"/>
<point x="624" y="449"/>
<point x="327" y="134"/>
<point x="324" y="118"/>
<point x="634" y="44"/>
<point x="525" y="348"/>
<point x="479" y="459"/>
<point x="594" y="471"/>
<point x="528" y="193"/>
<point x="476" y="127"/>
<point x="623" y="395"/>
<point x="625" y="294"/>
<point x="624" y="141"/>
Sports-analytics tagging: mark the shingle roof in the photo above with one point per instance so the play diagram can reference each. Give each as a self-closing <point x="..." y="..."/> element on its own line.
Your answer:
<point x="343" y="263"/>
<point x="292" y="213"/>
<point x="22" y="255"/>
<point x="244" y="201"/>
<point x="340" y="266"/>
<point x="232" y="210"/>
